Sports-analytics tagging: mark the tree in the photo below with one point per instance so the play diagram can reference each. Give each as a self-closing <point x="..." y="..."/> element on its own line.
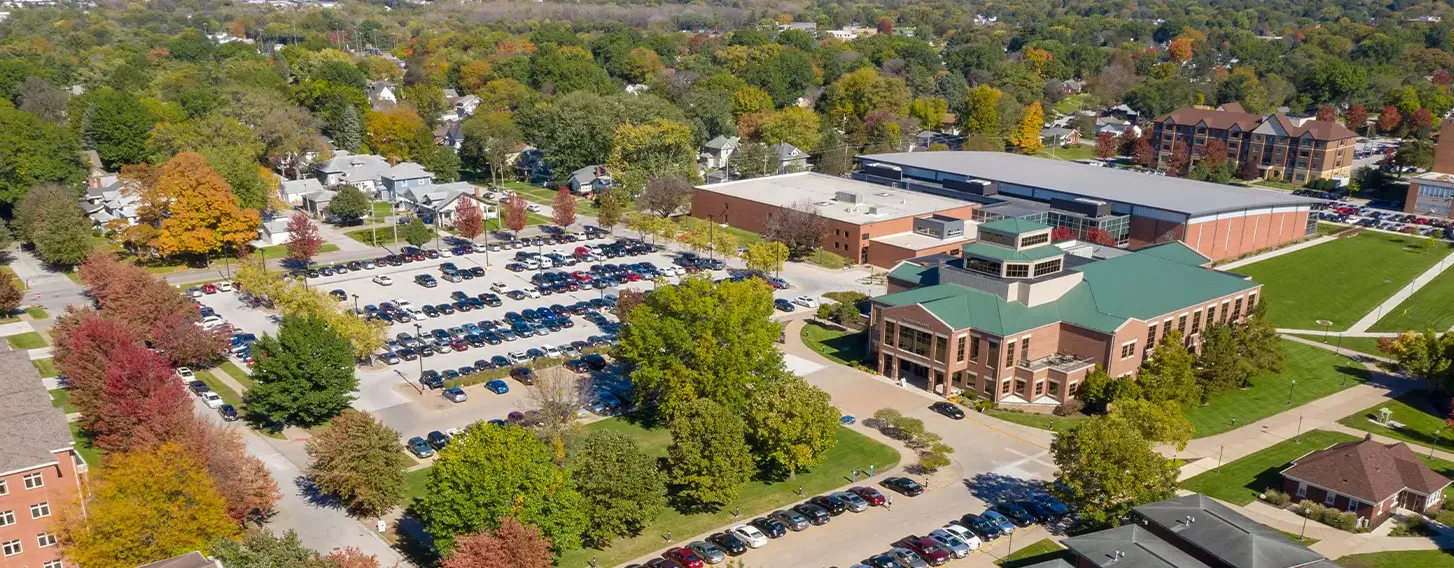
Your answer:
<point x="1180" y="161"/>
<point x="416" y="233"/>
<point x="1326" y="112"/>
<point x="929" y="111"/>
<point x="51" y="218"/>
<point x="864" y="91"/>
<point x="558" y="396"/>
<point x="511" y="545"/>
<point x="655" y="149"/>
<point x="702" y="340"/>
<point x="469" y="221"/>
<point x="793" y="125"/>
<point x="262" y="549"/>
<point x="1143" y="154"/>
<point x="141" y="404"/>
<point x="349" y="206"/>
<point x="515" y="213"/>
<point x="665" y="195"/>
<point x="1106" y="145"/>
<point x="1026" y="137"/>
<point x="1108" y="467"/>
<point x="1168" y="375"/>
<point x="1355" y="118"/>
<point x="709" y="459"/>
<point x="84" y="341"/>
<point x="612" y="207"/>
<point x="1389" y="119"/>
<point x="490" y="474"/>
<point x="1214" y="153"/>
<point x="394" y="134"/>
<point x="754" y="159"/>
<point x="116" y="124"/>
<point x="304" y="374"/>
<point x="1221" y="366"/>
<point x="192" y="210"/>
<point x="150" y="504"/>
<point x="765" y="256"/>
<point x="291" y="139"/>
<point x="490" y="138"/>
<point x="1420" y="122"/>
<point x="131" y="295"/>
<point x="1421" y="354"/>
<point x="1180" y="49"/>
<point x="34" y="152"/>
<point x="791" y="424"/>
<point x="360" y="461"/>
<point x="623" y="488"/>
<point x="800" y="227"/>
<point x="1100" y="390"/>
<point x="10" y="295"/>
<point x="982" y="115"/>
<point x="750" y="100"/>
<point x="641" y="64"/>
<point x="1258" y="342"/>
<point x="348" y="128"/>
<point x="243" y="480"/>
<point x="185" y="344"/>
<point x="351" y="557"/>
<point x="428" y="101"/>
<point x="303" y="238"/>
<point x="563" y="209"/>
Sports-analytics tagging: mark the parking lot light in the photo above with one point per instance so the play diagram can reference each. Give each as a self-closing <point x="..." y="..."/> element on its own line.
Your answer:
<point x="418" y="331"/>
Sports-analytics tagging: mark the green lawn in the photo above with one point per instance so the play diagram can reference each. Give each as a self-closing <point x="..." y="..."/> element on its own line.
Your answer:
<point x="1318" y="373"/>
<point x="1074" y="152"/>
<point x="61" y="398"/>
<point x="1414" y="412"/>
<point x="1036" y="552"/>
<point x="546" y="196"/>
<point x="854" y="450"/>
<point x="1431" y="307"/>
<point x="843" y="347"/>
<point x="281" y="251"/>
<point x="1340" y="281"/>
<point x="1305" y="541"/>
<point x="1400" y="559"/>
<point x="744" y="237"/>
<point x="84" y="447"/>
<point x="45" y="367"/>
<point x="382" y="209"/>
<point x="1241" y="481"/>
<point x="27" y="340"/>
<point x="1367" y="345"/>
<point x="825" y="259"/>
<point x="1330" y="228"/>
<point x="385" y="236"/>
<point x="1037" y="420"/>
<point x="237" y="374"/>
<point x="415" y="482"/>
<point x="228" y="395"/>
<point x="1073" y="103"/>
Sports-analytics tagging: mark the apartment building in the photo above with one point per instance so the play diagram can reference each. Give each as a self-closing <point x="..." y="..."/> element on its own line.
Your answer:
<point x="1285" y="149"/>
<point x="1015" y="319"/>
<point x="40" y="470"/>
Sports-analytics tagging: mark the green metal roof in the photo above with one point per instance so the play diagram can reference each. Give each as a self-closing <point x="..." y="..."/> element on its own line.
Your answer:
<point x="1139" y="285"/>
<point x="1176" y="251"/>
<point x="920" y="275"/>
<point x="1013" y="226"/>
<point x="1006" y="254"/>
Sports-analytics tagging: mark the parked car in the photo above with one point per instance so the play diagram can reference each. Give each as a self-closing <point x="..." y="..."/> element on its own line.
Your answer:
<point x="927" y="548"/>
<point x="770" y="527"/>
<point x="523" y="374"/>
<point x="1016" y="514"/>
<point x="904" y="485"/>
<point x="383" y="280"/>
<point x="874" y="498"/>
<point x="963" y="535"/>
<point x="791" y="519"/>
<point x="783" y="305"/>
<point x="1000" y="522"/>
<point x="437" y="440"/>
<point x="228" y="412"/>
<point x="1055" y="506"/>
<point x="750" y="535"/>
<point x="982" y="527"/>
<point x="907" y="558"/>
<point x="853" y="502"/>
<point x="830" y="504"/>
<point x="419" y="448"/>
<point x="951" y="543"/>
<point x="455" y="394"/>
<point x="497" y="386"/>
<point x="684" y="557"/>
<point x="708" y="552"/>
<point x="948" y="409"/>
<point x="815" y="514"/>
<point x="806" y="301"/>
<point x="729" y="542"/>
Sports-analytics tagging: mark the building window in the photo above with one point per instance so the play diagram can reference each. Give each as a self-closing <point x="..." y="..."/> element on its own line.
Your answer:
<point x="1019" y="386"/>
<point x="1047" y="268"/>
<point x="7" y="518"/>
<point x="974" y="348"/>
<point x="1010" y="354"/>
<point x="1005" y="388"/>
<point x="1128" y="349"/>
<point x="1237" y="309"/>
<point x="1251" y="301"/>
<point x="1017" y="270"/>
<point x="51" y="564"/>
<point x="1226" y="308"/>
<point x="1054" y="388"/>
<point x="1352" y="505"/>
<point x="1211" y="314"/>
<point x="889" y="333"/>
<point x="1151" y="335"/>
<point x="1196" y="322"/>
<point x="1025" y="349"/>
<point x="994" y="355"/>
<point x="1039" y="388"/>
<point x="959" y="351"/>
<point x="1302" y="489"/>
<point x="1033" y="240"/>
<point x="987" y="387"/>
<point x="915" y="341"/>
<point x="11" y="548"/>
<point x="1181" y="325"/>
<point x="4" y="488"/>
<point x="34" y="480"/>
<point x="1328" y="497"/>
<point x="45" y="540"/>
<point x="39" y="510"/>
<point x="982" y="266"/>
<point x="941" y="348"/>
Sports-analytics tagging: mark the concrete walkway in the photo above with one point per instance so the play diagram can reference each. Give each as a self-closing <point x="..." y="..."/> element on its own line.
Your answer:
<point x="1336" y="349"/>
<point x="1398" y="297"/>
<point x="1275" y="253"/>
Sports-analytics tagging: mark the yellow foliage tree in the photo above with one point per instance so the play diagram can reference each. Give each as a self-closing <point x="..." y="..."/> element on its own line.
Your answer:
<point x="1026" y="137"/>
<point x="864" y="91"/>
<point x="642" y="152"/>
<point x="149" y="505"/>
<point x="750" y="100"/>
<point x="394" y="133"/>
<point x="193" y="210"/>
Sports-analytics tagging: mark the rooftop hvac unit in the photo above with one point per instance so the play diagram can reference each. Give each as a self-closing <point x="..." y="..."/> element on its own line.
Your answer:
<point x="848" y="197"/>
<point x="875" y="210"/>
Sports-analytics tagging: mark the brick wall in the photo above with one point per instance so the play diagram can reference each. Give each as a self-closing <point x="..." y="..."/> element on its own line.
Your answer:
<point x="60" y="486"/>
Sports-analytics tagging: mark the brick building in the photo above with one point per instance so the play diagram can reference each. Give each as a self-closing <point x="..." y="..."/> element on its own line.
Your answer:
<point x="1296" y="151"/>
<point x="40" y="470"/>
<point x="1366" y="478"/>
<point x="866" y="223"/>
<point x="1431" y="193"/>
<point x="1016" y="319"/>
<point x="1132" y="209"/>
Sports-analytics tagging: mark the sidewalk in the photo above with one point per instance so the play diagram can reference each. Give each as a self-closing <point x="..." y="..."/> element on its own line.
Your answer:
<point x="1334" y="348"/>
<point x="1274" y="253"/>
<point x="1398" y="297"/>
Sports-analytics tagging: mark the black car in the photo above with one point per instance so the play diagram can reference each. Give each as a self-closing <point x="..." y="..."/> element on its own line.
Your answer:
<point x="1016" y="514"/>
<point x="483" y="365"/>
<point x="577" y="366"/>
<point x="815" y="514"/>
<point x="883" y="561"/>
<point x="830" y="504"/>
<point x="437" y="440"/>
<point x="770" y="527"/>
<point x="476" y="272"/>
<point x="904" y="485"/>
<point x="228" y="412"/>
<point x="593" y="361"/>
<point x="490" y="300"/>
<point x="445" y="309"/>
<point x="431" y="379"/>
<point x="500" y="361"/>
<point x="948" y="409"/>
<point x="407" y="354"/>
<point x="427" y="350"/>
<point x="783" y="305"/>
<point x="729" y="543"/>
<point x="1056" y="507"/>
<point x="1040" y="512"/>
<point x="430" y="311"/>
<point x="523" y="374"/>
<point x="426" y="281"/>
<point x="980" y="526"/>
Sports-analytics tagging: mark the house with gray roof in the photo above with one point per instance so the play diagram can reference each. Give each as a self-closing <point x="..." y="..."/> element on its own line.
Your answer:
<point x="1013" y="318"/>
<point x="381" y="95"/>
<point x="401" y="178"/>
<point x="364" y="171"/>
<point x="790" y="158"/>
<point x="717" y="151"/>
<point x="108" y="202"/>
<point x="590" y="179"/>
<point x="437" y="203"/>
<point x="292" y="190"/>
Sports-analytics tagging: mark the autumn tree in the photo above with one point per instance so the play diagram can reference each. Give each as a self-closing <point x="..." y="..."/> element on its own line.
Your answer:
<point x="1180" y="160"/>
<point x="708" y="459"/>
<point x="1420" y="122"/>
<point x="242" y="479"/>
<point x="623" y="487"/>
<point x="563" y="209"/>
<point x="395" y="133"/>
<point x="612" y="204"/>
<point x="84" y="340"/>
<point x="800" y="227"/>
<point x="303" y="238"/>
<point x="1326" y="112"/>
<point x="511" y="545"/>
<point x="469" y="220"/>
<point x="666" y="195"/>
<point x="1026" y="137"/>
<point x="1389" y="119"/>
<point x="791" y="425"/>
<point x="1105" y="145"/>
<point x="654" y="149"/>
<point x="765" y="256"/>
<point x="141" y="402"/>
<point x="304" y="375"/>
<point x="146" y="505"/>
<point x="1180" y="49"/>
<point x="1355" y="118"/>
<point x="515" y="213"/>
<point x="131" y="295"/>
<point x="10" y="295"/>
<point x="360" y="461"/>
<point x="1142" y="153"/>
<point x="350" y="557"/>
<point x="982" y="116"/>
<point x="192" y="210"/>
<point x="185" y="344"/>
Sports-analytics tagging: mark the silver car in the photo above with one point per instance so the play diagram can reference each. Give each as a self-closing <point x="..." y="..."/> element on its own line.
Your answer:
<point x="950" y="542"/>
<point x="854" y="502"/>
<point x="907" y="559"/>
<point x="708" y="552"/>
<point x="792" y="519"/>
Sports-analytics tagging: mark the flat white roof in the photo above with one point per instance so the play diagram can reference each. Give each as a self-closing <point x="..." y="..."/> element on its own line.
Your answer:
<point x="916" y="241"/>
<point x="875" y="202"/>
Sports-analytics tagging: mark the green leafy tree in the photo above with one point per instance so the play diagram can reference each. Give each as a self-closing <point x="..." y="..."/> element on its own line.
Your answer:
<point x="416" y="233"/>
<point x="702" y="340"/>
<point x="982" y="115"/>
<point x="794" y="125"/>
<point x="50" y="217"/>
<point x="489" y="140"/>
<point x="490" y="473"/>
<point x="304" y="374"/>
<point x="765" y="256"/>
<point x="657" y="149"/>
<point x="1258" y="342"/>
<point x="623" y="488"/>
<point x="1099" y="390"/>
<point x="116" y="124"/>
<point x="349" y="206"/>
<point x="262" y="549"/>
<point x="1168" y="375"/>
<point x="709" y="458"/>
<point x="35" y="151"/>
<point x="1420" y="354"/>
<point x="791" y="424"/>
<point x="360" y="461"/>
<point x="1107" y="466"/>
<point x="1221" y="366"/>
<point x="428" y="101"/>
<point x="613" y="207"/>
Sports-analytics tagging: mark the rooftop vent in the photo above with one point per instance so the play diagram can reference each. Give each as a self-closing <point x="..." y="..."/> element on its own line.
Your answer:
<point x="848" y="197"/>
<point x="875" y="210"/>
<point x="884" y="194"/>
<point x="823" y="203"/>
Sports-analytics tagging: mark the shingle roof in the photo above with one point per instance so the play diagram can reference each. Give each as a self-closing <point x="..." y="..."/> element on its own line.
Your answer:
<point x="1234" y="115"/>
<point x="406" y="170"/>
<point x="31" y="430"/>
<point x="192" y="559"/>
<point x="1367" y="470"/>
<point x="1222" y="532"/>
<point x="995" y="252"/>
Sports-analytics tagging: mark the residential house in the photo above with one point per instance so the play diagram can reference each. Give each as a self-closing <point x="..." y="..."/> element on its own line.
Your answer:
<point x="1116" y="126"/>
<point x="274" y="232"/>
<point x="1123" y="112"/>
<point x="790" y="158"/>
<point x="381" y="95"/>
<point x="590" y="179"/>
<point x="449" y="134"/>
<point x="810" y="27"/>
<point x="1070" y="87"/>
<point x="363" y="171"/>
<point x="315" y="203"/>
<point x="530" y="166"/>
<point x="465" y="106"/>
<point x="437" y="204"/>
<point x="40" y="470"/>
<point x="717" y="151"/>
<point x="401" y="178"/>
<point x="1367" y="478"/>
<point x="109" y="203"/>
<point x="1059" y="136"/>
<point x="926" y="138"/>
<point x="292" y="190"/>
<point x="1281" y="148"/>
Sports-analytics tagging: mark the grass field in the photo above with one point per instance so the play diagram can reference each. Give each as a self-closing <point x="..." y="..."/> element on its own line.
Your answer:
<point x="744" y="237"/>
<point x="27" y="340"/>
<point x="416" y="481"/>
<point x="1367" y="345"/>
<point x="61" y="398"/>
<point x="1400" y="559"/>
<point x="237" y="374"/>
<point x="1037" y="420"/>
<point x="854" y="450"/>
<point x="228" y="395"/>
<point x="1352" y="276"/>
<point x="545" y="196"/>
<point x="1431" y="307"/>
<point x="1036" y="552"/>
<point x="1330" y="228"/>
<point x="1241" y="481"/>
<point x="1074" y="152"/>
<point x="45" y="367"/>
<point x="280" y="251"/>
<point x="84" y="447"/>
<point x="1414" y="412"/>
<point x="843" y="347"/>
<point x="1317" y="372"/>
<point x="366" y="236"/>
<point x="1073" y="103"/>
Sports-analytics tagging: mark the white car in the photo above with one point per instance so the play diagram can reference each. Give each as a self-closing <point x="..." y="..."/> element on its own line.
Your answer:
<point x="211" y="399"/>
<point x="955" y="545"/>
<point x="961" y="533"/>
<point x="224" y="286"/>
<point x="383" y="280"/>
<point x="194" y="292"/>
<point x="545" y="262"/>
<point x="532" y="292"/>
<point x="210" y="322"/>
<point x="186" y="373"/>
<point x="369" y="265"/>
<point x="550" y="350"/>
<point x="444" y="253"/>
<point x="533" y="208"/>
<point x="499" y="287"/>
<point x="750" y="535"/>
<point x="518" y="357"/>
<point x="806" y="301"/>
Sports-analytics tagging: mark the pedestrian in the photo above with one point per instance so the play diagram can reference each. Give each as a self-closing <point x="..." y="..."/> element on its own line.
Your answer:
<point x="593" y="562"/>
<point x="668" y="536"/>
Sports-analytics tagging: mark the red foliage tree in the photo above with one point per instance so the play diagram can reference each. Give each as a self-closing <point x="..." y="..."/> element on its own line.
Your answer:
<point x="513" y="545"/>
<point x="469" y="221"/>
<point x="142" y="403"/>
<point x="885" y="26"/>
<point x="1105" y="145"/>
<point x="303" y="238"/>
<point x="1214" y="153"/>
<point x="84" y="342"/>
<point x="1127" y="142"/>
<point x="131" y="295"/>
<point x="626" y="300"/>
<point x="515" y="213"/>
<point x="1100" y="237"/>
<point x="351" y="558"/>
<point x="243" y="480"/>
<point x="185" y="344"/>
<point x="1441" y="77"/>
<point x="563" y="208"/>
<point x="1421" y="121"/>
<point x="1180" y="159"/>
<point x="1143" y="154"/>
<point x="1327" y="113"/>
<point x="1062" y="234"/>
<point x="1355" y="118"/>
<point x="1389" y="119"/>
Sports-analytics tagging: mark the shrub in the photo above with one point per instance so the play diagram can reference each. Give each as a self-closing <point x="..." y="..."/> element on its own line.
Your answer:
<point x="1069" y="408"/>
<point x="1277" y="498"/>
<point x="1345" y="520"/>
<point x="1311" y="510"/>
<point x="929" y="462"/>
<point x="887" y="415"/>
<point x="1412" y="526"/>
<point x="983" y="405"/>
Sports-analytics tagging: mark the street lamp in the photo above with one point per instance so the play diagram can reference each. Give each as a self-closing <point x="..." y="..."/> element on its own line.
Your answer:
<point x="419" y="353"/>
<point x="1290" y="386"/>
<point x="355" y="303"/>
<point x="1326" y="326"/>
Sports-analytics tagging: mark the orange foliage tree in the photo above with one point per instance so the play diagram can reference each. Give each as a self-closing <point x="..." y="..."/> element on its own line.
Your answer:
<point x="193" y="210"/>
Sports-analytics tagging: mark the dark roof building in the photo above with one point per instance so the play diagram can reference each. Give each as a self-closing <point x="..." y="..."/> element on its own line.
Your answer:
<point x="1365" y="477"/>
<point x="1272" y="146"/>
<point x="192" y="559"/>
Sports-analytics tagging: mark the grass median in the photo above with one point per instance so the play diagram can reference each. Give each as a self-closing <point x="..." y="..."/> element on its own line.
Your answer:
<point x="1242" y="480"/>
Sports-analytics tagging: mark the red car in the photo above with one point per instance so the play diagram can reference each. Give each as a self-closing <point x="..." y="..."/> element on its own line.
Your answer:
<point x="927" y="549"/>
<point x="209" y="288"/>
<point x="581" y="276"/>
<point x="684" y="557"/>
<point x="874" y="498"/>
<point x="459" y="345"/>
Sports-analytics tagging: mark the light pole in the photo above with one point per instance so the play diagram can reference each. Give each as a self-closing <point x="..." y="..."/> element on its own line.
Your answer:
<point x="1436" y="443"/>
<point x="1298" y="439"/>
<point x="1290" y="386"/>
<point x="1326" y="326"/>
<point x="355" y="303"/>
<point x="418" y="331"/>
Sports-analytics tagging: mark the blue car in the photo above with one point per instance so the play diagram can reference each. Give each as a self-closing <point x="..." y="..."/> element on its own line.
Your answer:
<point x="999" y="521"/>
<point x="419" y="448"/>
<point x="497" y="386"/>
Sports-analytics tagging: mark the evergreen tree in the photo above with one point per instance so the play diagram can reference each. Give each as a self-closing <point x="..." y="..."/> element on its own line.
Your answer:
<point x="348" y="133"/>
<point x="1221" y="366"/>
<point x="304" y="374"/>
<point x="416" y="233"/>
